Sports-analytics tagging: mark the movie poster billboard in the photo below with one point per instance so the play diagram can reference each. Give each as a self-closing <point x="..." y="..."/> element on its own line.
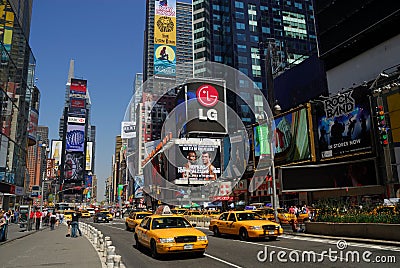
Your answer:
<point x="198" y="160"/>
<point x="292" y="137"/>
<point x="74" y="166"/>
<point x="75" y="138"/>
<point x="344" y="124"/>
<point x="78" y="86"/>
<point x="128" y="129"/>
<point x="165" y="38"/>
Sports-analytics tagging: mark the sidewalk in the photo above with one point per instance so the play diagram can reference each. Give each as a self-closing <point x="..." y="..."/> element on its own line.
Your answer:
<point x="47" y="248"/>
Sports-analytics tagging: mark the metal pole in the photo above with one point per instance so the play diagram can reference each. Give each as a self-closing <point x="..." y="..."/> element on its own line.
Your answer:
<point x="41" y="201"/>
<point x="274" y="197"/>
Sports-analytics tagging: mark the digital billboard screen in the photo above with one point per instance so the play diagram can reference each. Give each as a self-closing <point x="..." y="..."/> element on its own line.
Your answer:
<point x="78" y="86"/>
<point x="75" y="138"/>
<point x="74" y="166"/>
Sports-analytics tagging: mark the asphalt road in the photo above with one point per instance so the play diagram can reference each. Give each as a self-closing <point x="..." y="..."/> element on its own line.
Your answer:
<point x="287" y="251"/>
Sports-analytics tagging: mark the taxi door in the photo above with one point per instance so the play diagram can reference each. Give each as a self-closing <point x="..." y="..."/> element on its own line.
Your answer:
<point x="143" y="232"/>
<point x="222" y="223"/>
<point x="231" y="224"/>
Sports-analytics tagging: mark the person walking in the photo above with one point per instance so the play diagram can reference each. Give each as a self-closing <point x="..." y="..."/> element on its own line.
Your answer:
<point x="3" y="226"/>
<point x="53" y="220"/>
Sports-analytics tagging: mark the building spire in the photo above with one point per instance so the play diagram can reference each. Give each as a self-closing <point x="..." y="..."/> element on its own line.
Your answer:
<point x="71" y="71"/>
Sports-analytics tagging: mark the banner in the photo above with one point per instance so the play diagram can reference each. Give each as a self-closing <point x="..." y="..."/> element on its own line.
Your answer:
<point x="74" y="167"/>
<point x="56" y="149"/>
<point x="89" y="155"/>
<point x="165" y="38"/>
<point x="138" y="184"/>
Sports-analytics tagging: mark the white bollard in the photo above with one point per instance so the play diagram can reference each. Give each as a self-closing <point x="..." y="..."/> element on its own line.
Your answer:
<point x="117" y="260"/>
<point x="110" y="259"/>
<point x="110" y="265"/>
<point x="110" y="250"/>
<point x="101" y="245"/>
<point x="99" y="240"/>
<point x="106" y="245"/>
<point x="95" y="239"/>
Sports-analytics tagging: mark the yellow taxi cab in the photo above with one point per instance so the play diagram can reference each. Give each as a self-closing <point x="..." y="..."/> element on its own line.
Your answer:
<point x="212" y="214"/>
<point x="108" y="214"/>
<point x="68" y="214"/>
<point x="245" y="224"/>
<point x="178" y="211"/>
<point x="85" y="214"/>
<point x="265" y="213"/>
<point x="284" y="216"/>
<point x="134" y="219"/>
<point x="193" y="213"/>
<point x="164" y="233"/>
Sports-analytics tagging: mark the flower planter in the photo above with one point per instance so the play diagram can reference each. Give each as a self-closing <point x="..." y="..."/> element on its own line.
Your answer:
<point x="378" y="231"/>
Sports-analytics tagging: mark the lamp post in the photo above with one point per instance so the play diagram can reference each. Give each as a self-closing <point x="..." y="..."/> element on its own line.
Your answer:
<point x="43" y="145"/>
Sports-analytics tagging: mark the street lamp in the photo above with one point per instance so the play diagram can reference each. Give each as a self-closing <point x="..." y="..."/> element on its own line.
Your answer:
<point x="43" y="145"/>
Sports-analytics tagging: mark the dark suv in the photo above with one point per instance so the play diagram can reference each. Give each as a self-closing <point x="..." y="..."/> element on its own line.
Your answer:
<point x="100" y="217"/>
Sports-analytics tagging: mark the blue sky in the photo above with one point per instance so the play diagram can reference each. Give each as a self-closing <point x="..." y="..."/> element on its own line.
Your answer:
<point x="105" y="38"/>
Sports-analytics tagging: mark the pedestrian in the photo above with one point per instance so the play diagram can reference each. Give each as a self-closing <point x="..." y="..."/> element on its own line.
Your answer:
<point x="57" y="218"/>
<point x="16" y="216"/>
<point x="3" y="226"/>
<point x="74" y="224"/>
<point x="295" y="227"/>
<point x="38" y="217"/>
<point x="53" y="220"/>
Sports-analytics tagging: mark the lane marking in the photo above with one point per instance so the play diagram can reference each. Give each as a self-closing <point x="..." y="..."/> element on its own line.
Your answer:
<point x="221" y="260"/>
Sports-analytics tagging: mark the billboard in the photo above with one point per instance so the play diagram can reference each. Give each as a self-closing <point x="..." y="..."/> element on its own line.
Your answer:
<point x="165" y="38"/>
<point x="344" y="124"/>
<point x="139" y="183"/>
<point x="77" y="107"/>
<point x="198" y="160"/>
<point x="33" y="124"/>
<point x="292" y="137"/>
<point x="128" y="130"/>
<point x="78" y="86"/>
<point x="75" y="138"/>
<point x="74" y="166"/>
<point x="261" y="141"/>
<point x="56" y="149"/>
<point x="351" y="174"/>
<point x="205" y="107"/>
<point x="89" y="155"/>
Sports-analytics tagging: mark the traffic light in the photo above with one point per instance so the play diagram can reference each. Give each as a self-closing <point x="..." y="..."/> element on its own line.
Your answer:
<point x="382" y="128"/>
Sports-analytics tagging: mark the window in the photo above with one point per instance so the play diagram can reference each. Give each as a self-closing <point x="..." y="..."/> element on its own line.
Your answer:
<point x="223" y="217"/>
<point x="242" y="48"/>
<point x="242" y="60"/>
<point x="244" y="70"/>
<point x="232" y="217"/>
<point x="266" y="30"/>
<point x="241" y="37"/>
<point x="239" y="4"/>
<point x="239" y="15"/>
<point x="218" y="58"/>
<point x="240" y="26"/>
<point x="254" y="38"/>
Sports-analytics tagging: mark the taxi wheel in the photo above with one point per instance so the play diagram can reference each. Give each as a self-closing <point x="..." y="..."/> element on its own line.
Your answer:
<point x="216" y="231"/>
<point x="137" y="245"/>
<point x="243" y="234"/>
<point x="153" y="249"/>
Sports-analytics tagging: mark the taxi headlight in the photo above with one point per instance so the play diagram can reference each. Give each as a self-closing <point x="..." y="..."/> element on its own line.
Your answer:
<point x="99" y="218"/>
<point x="166" y="240"/>
<point x="255" y="228"/>
<point x="202" y="238"/>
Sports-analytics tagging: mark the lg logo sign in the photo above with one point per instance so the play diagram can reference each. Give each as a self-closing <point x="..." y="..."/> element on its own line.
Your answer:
<point x="207" y="96"/>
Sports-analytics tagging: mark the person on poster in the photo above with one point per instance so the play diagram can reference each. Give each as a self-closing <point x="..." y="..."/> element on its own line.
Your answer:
<point x="190" y="165"/>
<point x="209" y="169"/>
<point x="164" y="55"/>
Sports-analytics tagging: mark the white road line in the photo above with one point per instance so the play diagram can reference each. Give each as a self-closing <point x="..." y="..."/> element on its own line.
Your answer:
<point x="221" y="260"/>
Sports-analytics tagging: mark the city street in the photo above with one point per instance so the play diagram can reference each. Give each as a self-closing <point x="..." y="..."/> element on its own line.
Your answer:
<point x="231" y="252"/>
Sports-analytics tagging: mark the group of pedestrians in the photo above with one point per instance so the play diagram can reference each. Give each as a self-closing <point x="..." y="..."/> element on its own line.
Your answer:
<point x="73" y="226"/>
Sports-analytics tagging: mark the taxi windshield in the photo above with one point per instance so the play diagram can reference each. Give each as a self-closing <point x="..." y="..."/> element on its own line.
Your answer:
<point x="170" y="222"/>
<point x="247" y="216"/>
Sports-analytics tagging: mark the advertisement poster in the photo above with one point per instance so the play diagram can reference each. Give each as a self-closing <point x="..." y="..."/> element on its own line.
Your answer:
<point x="89" y="155"/>
<point x="261" y="141"/>
<point x="344" y="124"/>
<point x="78" y="86"/>
<point x="128" y="130"/>
<point x="75" y="138"/>
<point x="165" y="38"/>
<point x="74" y="167"/>
<point x="292" y="138"/>
<point x="139" y="183"/>
<point x="198" y="160"/>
